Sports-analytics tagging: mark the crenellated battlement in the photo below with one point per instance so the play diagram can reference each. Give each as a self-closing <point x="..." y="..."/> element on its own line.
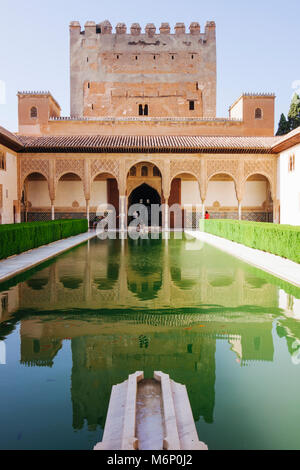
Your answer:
<point x="260" y="95"/>
<point x="105" y="27"/>
<point x="44" y="94"/>
<point x="34" y="93"/>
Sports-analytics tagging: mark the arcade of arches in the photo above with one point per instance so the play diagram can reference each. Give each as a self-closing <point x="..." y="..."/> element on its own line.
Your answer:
<point x="238" y="186"/>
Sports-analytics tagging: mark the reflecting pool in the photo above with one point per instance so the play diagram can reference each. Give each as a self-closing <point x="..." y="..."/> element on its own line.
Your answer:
<point x="80" y="323"/>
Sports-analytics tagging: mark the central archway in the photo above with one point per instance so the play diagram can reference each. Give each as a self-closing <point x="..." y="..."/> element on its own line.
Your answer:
<point x="146" y="195"/>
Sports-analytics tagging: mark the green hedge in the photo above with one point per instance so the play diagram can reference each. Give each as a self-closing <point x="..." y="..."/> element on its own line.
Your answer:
<point x="17" y="238"/>
<point x="282" y="240"/>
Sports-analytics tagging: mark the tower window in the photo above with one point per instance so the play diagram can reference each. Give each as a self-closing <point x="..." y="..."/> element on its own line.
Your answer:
<point x="144" y="171"/>
<point x="89" y="85"/>
<point x="172" y="57"/>
<point x="191" y="105"/>
<point x="33" y="112"/>
<point x="143" y="111"/>
<point x="87" y="59"/>
<point x="154" y="57"/>
<point x="258" y="113"/>
<point x="192" y="56"/>
<point x="136" y="57"/>
<point x="133" y="171"/>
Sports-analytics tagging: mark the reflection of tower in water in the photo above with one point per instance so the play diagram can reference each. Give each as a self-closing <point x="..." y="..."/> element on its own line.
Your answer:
<point x="107" y="348"/>
<point x="99" y="362"/>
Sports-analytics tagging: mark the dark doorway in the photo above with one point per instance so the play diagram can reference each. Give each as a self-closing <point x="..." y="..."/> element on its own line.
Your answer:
<point x="145" y="194"/>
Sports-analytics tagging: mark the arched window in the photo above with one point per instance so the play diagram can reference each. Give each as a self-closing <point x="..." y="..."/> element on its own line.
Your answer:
<point x="144" y="171"/>
<point x="133" y="171"/>
<point x="143" y="110"/>
<point x="33" y="112"/>
<point x="258" y="113"/>
<point x="156" y="171"/>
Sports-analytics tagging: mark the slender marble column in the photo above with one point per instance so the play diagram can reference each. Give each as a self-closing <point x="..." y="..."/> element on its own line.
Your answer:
<point x="52" y="211"/>
<point x="166" y="214"/>
<point x="18" y="212"/>
<point x="88" y="210"/>
<point x="203" y="208"/>
<point x="240" y="210"/>
<point x="123" y="213"/>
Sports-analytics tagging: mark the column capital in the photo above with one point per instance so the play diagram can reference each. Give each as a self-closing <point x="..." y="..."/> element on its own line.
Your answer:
<point x="240" y="189"/>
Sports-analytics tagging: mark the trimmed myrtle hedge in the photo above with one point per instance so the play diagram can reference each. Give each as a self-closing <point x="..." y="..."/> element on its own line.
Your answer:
<point x="17" y="238"/>
<point x="282" y="240"/>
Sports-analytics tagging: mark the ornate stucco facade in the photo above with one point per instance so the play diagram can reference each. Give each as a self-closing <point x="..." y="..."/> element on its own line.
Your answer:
<point x="143" y="128"/>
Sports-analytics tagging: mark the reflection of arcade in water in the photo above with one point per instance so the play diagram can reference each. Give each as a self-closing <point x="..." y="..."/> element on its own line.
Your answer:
<point x="162" y="306"/>
<point x="143" y="274"/>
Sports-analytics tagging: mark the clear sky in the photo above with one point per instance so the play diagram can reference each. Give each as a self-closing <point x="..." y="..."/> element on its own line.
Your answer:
<point x="258" y="46"/>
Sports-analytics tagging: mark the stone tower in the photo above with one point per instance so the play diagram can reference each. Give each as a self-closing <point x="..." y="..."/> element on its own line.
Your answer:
<point x="131" y="74"/>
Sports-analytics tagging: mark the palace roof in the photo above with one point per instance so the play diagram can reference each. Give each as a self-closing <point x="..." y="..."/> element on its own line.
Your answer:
<point x="147" y="144"/>
<point x="288" y="140"/>
<point x="10" y="140"/>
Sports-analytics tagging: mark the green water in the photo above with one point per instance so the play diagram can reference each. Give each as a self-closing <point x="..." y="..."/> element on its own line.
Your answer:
<point x="79" y="324"/>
